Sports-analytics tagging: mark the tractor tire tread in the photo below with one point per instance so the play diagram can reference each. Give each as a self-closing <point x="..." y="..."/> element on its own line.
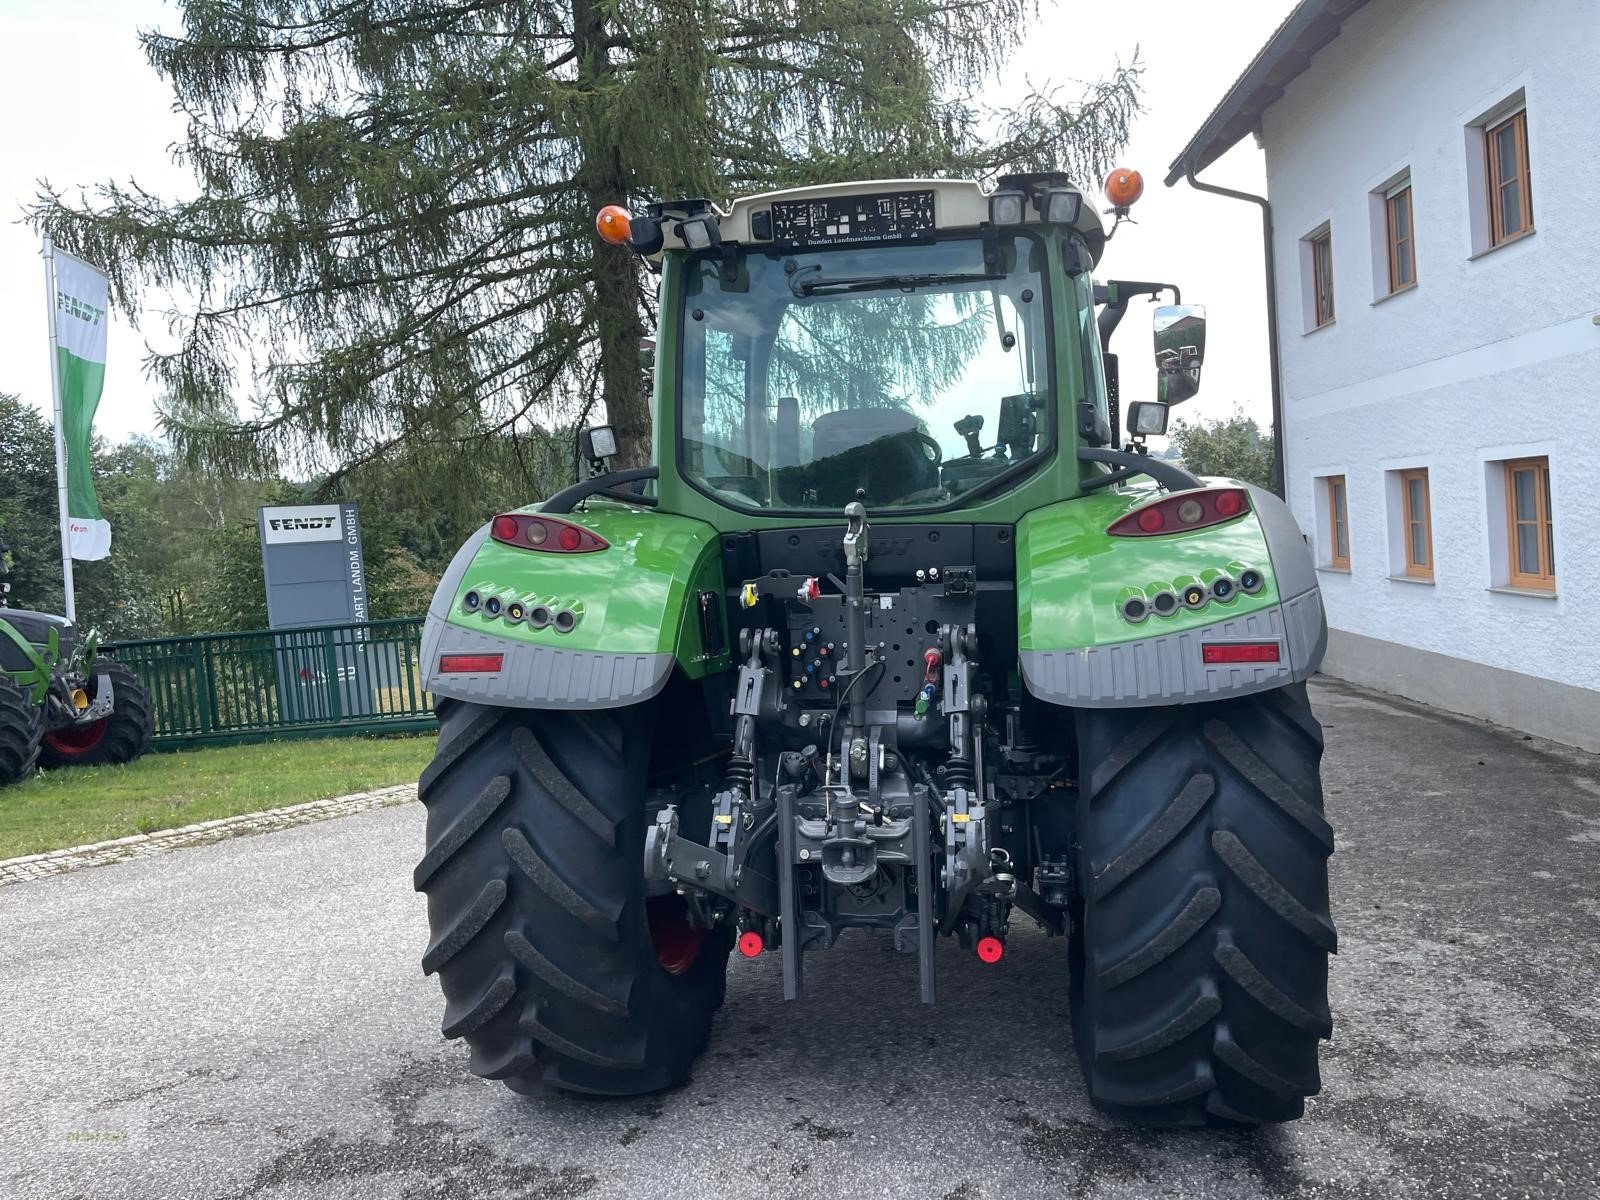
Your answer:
<point x="463" y="827"/>
<point x="1201" y="917"/>
<point x="21" y="730"/>
<point x="1202" y="906"/>
<point x="537" y="907"/>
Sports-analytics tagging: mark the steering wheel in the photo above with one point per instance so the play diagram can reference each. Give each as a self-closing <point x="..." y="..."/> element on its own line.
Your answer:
<point x="937" y="452"/>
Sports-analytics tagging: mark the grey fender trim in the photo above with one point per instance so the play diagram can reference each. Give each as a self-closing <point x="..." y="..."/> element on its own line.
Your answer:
<point x="450" y="582"/>
<point x="539" y="676"/>
<point x="1292" y="565"/>
<point x="1167" y="668"/>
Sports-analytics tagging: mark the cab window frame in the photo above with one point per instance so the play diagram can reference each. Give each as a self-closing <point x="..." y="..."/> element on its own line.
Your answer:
<point x="1003" y="481"/>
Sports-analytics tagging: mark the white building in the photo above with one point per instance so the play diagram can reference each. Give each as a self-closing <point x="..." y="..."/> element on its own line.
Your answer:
<point x="1434" y="180"/>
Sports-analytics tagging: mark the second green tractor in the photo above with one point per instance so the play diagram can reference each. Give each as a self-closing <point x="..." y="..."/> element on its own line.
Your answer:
<point x="899" y="635"/>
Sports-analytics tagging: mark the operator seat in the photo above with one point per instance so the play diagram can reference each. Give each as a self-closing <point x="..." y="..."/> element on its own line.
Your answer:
<point x="876" y="450"/>
<point x="847" y="428"/>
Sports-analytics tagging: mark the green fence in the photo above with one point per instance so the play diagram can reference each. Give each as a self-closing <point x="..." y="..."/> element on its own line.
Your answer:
<point x="231" y="687"/>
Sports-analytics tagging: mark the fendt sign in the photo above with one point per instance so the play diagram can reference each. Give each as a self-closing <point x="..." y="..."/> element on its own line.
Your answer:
<point x="302" y="523"/>
<point x="316" y="574"/>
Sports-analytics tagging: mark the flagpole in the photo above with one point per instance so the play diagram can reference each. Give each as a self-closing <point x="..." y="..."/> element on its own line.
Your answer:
<point x="61" y="442"/>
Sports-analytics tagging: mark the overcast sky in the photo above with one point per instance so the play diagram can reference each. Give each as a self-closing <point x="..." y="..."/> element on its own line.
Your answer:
<point x="83" y="107"/>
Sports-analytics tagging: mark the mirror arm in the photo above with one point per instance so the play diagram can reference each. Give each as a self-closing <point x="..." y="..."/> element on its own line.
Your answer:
<point x="1173" y="478"/>
<point x="1124" y="290"/>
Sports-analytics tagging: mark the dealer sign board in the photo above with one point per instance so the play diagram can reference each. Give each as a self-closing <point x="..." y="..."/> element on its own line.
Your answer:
<point x="316" y="574"/>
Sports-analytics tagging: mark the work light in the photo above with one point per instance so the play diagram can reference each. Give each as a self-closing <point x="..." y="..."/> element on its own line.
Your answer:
<point x="1059" y="206"/>
<point x="1005" y="208"/>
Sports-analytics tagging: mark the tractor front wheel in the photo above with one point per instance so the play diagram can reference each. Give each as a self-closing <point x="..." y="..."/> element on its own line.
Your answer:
<point x="557" y="968"/>
<point x="21" y="725"/>
<point x="120" y="736"/>
<point x="1201" y="930"/>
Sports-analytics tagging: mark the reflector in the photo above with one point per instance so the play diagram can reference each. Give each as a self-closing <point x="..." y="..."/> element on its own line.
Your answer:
<point x="1239" y="652"/>
<point x="466" y="664"/>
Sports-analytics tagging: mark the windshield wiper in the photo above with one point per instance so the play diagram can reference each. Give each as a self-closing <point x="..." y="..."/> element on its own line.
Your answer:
<point x="812" y="286"/>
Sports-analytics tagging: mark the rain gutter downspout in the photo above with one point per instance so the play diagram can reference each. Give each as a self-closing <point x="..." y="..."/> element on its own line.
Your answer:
<point x="1272" y="314"/>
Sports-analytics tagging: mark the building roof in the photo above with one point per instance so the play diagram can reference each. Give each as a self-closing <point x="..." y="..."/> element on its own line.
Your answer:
<point x="1310" y="27"/>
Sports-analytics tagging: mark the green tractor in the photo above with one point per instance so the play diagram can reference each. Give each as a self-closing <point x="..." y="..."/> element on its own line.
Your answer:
<point x="62" y="703"/>
<point x="894" y="637"/>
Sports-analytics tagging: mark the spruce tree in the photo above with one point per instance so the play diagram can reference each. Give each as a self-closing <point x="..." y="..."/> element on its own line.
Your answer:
<point x="390" y="250"/>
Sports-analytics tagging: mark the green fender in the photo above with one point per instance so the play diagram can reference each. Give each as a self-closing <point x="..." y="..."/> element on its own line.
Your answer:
<point x="1076" y="645"/>
<point x="637" y="605"/>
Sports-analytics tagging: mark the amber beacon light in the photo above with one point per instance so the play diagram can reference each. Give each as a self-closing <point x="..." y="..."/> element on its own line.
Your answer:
<point x="1124" y="186"/>
<point x="614" y="224"/>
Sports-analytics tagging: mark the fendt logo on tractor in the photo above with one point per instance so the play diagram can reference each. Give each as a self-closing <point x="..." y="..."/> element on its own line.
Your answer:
<point x="901" y="637"/>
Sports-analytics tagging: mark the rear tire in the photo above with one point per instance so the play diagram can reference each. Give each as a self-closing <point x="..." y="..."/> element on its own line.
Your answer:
<point x="1202" y="930"/>
<point x="541" y="929"/>
<point x="21" y="726"/>
<point x="120" y="737"/>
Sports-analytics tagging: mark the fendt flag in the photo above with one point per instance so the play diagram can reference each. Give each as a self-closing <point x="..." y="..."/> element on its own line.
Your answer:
<point x="81" y="299"/>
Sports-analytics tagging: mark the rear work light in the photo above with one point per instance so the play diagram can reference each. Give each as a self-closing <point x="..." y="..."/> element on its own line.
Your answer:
<point x="1239" y="652"/>
<point x="1182" y="512"/>
<point x="531" y="531"/>
<point x="469" y="664"/>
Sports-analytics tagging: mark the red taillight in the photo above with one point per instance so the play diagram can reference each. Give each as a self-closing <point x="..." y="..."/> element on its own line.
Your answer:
<point x="751" y="943"/>
<point x="469" y="664"/>
<point x="532" y="531"/>
<point x="1239" y="652"/>
<point x="1182" y="512"/>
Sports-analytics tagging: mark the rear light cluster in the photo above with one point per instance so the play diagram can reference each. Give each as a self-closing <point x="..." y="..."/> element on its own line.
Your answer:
<point x="533" y="531"/>
<point x="1183" y="512"/>
<point x="1165" y="599"/>
<point x="540" y="614"/>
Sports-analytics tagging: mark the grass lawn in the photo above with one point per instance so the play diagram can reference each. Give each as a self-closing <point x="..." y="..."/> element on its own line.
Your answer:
<point x="75" y="805"/>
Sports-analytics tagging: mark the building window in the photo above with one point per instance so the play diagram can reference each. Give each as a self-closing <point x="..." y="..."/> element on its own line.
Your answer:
<point x="1530" y="529"/>
<point x="1338" y="511"/>
<point x="1321" y="248"/>
<point x="1401" y="238"/>
<point x="1510" y="193"/>
<point x="1417" y="519"/>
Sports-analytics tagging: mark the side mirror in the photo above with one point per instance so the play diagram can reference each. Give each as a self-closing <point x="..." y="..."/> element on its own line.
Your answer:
<point x="596" y="444"/>
<point x="1147" y="418"/>
<point x="1180" y="331"/>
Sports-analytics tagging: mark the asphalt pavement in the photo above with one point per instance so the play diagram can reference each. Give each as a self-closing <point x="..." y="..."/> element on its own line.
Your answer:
<point x="248" y="1020"/>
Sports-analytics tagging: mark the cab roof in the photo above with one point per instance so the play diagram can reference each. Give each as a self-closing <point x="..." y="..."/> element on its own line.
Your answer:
<point x="956" y="204"/>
